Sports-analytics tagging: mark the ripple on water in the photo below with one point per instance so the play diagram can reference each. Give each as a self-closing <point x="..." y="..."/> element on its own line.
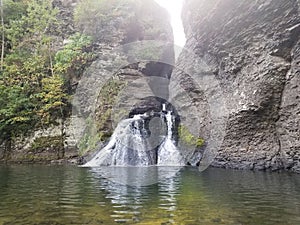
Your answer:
<point x="71" y="195"/>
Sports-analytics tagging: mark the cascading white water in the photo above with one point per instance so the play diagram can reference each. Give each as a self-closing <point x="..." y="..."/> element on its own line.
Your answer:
<point x="168" y="154"/>
<point x="127" y="147"/>
<point x="170" y="122"/>
<point x="130" y="146"/>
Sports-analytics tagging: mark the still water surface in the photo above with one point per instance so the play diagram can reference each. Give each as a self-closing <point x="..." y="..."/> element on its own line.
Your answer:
<point x="36" y="194"/>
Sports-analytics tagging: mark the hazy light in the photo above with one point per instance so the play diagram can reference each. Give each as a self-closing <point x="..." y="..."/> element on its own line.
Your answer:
<point x="174" y="8"/>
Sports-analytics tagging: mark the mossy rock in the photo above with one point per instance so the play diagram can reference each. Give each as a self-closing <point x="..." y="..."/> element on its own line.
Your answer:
<point x="41" y="144"/>
<point x="35" y="158"/>
<point x="188" y="138"/>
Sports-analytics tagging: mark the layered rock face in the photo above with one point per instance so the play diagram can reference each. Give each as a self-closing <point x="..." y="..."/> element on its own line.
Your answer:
<point x="134" y="61"/>
<point x="252" y="49"/>
<point x="124" y="33"/>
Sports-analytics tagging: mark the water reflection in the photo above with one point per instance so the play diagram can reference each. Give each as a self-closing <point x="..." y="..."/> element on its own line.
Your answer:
<point x="70" y="195"/>
<point x="130" y="189"/>
<point x="136" y="176"/>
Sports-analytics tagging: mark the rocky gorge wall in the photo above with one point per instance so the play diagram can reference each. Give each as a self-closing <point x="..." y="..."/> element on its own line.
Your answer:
<point x="121" y="76"/>
<point x="240" y="70"/>
<point x="252" y="48"/>
<point x="112" y="25"/>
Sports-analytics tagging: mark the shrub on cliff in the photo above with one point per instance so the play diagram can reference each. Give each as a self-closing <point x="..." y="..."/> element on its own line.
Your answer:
<point x="35" y="72"/>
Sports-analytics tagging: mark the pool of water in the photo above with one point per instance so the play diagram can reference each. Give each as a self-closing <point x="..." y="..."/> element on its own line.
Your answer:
<point x="35" y="194"/>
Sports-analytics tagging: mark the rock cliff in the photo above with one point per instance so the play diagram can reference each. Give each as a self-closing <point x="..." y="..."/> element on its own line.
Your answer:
<point x="134" y="50"/>
<point x="252" y="49"/>
<point x="123" y="33"/>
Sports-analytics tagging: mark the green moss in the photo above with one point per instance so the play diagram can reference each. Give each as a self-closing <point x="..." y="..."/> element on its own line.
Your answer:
<point x="74" y="57"/>
<point x="35" y="157"/>
<point x="107" y="99"/>
<point x="87" y="143"/>
<point x="188" y="138"/>
<point x="43" y="143"/>
<point x="99" y="128"/>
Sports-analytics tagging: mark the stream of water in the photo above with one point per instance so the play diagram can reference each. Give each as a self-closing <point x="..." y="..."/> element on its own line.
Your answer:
<point x="132" y="144"/>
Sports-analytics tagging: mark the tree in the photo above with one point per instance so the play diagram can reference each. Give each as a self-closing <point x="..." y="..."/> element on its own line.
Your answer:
<point x="74" y="56"/>
<point x="16" y="113"/>
<point x="33" y="82"/>
<point x="29" y="89"/>
<point x="2" y="36"/>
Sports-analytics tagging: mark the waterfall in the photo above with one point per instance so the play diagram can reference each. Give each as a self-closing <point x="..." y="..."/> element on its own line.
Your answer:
<point x="130" y="145"/>
<point x="170" y="122"/>
<point x="168" y="153"/>
<point x="127" y="146"/>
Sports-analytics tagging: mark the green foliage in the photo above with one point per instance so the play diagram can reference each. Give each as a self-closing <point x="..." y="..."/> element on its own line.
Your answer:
<point x="29" y="96"/>
<point x="52" y="98"/>
<point x="36" y="74"/>
<point x="12" y="14"/>
<point x="74" y="56"/>
<point x="13" y="10"/>
<point x="188" y="138"/>
<point x="16" y="112"/>
<point x="40" y="17"/>
<point x="33" y="80"/>
<point x="30" y="28"/>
